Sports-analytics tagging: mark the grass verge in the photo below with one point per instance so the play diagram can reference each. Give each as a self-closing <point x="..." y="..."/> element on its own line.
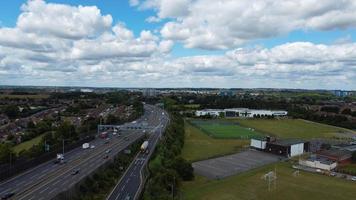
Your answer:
<point x="249" y="185"/>
<point x="28" y="144"/>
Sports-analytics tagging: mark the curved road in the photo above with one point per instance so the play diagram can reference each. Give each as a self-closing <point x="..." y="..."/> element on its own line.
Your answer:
<point x="130" y="185"/>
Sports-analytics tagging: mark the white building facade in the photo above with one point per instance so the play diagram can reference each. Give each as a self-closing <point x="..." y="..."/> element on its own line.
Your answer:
<point x="210" y="112"/>
<point x="319" y="164"/>
<point x="258" y="144"/>
<point x="241" y="112"/>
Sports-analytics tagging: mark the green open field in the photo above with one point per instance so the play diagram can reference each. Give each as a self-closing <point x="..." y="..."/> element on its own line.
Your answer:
<point x="199" y="146"/>
<point x="224" y="129"/>
<point x="295" y="128"/>
<point x="28" y="144"/>
<point x="250" y="186"/>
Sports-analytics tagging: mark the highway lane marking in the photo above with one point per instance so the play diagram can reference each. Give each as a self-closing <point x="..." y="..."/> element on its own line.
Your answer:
<point x="44" y="190"/>
<point x="20" y="183"/>
<point x="46" y="170"/>
<point x="26" y="172"/>
<point x="33" y="176"/>
<point x="7" y="190"/>
<point x="41" y="176"/>
<point x="119" y="143"/>
<point x="72" y="163"/>
<point x="54" y="189"/>
<point x="55" y="183"/>
<point x="117" y="186"/>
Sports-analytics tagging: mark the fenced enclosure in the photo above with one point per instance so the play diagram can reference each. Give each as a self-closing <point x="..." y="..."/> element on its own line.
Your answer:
<point x="224" y="129"/>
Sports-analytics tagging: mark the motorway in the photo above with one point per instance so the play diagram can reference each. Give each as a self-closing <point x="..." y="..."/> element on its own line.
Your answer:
<point x="130" y="185"/>
<point x="48" y="180"/>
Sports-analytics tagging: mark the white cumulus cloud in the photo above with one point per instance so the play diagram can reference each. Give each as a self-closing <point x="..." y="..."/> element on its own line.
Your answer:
<point x="225" y="24"/>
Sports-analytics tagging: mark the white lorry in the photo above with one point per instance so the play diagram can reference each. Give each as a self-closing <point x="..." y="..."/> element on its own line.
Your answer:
<point x="144" y="147"/>
<point x="59" y="159"/>
<point x="85" y="145"/>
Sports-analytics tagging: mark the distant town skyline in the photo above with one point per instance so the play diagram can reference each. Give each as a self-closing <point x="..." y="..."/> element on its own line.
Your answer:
<point x="179" y="43"/>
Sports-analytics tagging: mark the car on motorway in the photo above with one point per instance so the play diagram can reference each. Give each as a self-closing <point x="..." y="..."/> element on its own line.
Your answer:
<point x="107" y="141"/>
<point x="7" y="195"/>
<point x="127" y="197"/>
<point x="353" y="178"/>
<point x="92" y="146"/>
<point x="106" y="156"/>
<point x="108" y="151"/>
<point x="75" y="171"/>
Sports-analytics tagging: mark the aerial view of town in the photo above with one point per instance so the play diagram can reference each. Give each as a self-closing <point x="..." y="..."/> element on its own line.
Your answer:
<point x="177" y="100"/>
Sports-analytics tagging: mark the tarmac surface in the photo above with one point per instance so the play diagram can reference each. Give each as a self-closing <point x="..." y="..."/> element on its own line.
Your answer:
<point x="131" y="183"/>
<point x="225" y="166"/>
<point x="48" y="179"/>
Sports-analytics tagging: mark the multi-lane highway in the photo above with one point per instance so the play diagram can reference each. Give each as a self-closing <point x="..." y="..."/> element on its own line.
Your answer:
<point x="47" y="180"/>
<point x="131" y="183"/>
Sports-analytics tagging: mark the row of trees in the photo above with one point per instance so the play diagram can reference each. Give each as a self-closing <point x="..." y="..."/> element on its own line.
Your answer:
<point x="14" y="111"/>
<point x="168" y="168"/>
<point x="336" y="120"/>
<point x="293" y="104"/>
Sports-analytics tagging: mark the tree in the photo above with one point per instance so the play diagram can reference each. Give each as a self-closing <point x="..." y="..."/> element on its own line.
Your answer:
<point x="221" y="114"/>
<point x="353" y="114"/>
<point x="354" y="157"/>
<point x="5" y="153"/>
<point x="183" y="168"/>
<point x="12" y="111"/>
<point x="66" y="131"/>
<point x="112" y="119"/>
<point x="346" y="111"/>
<point x="332" y="109"/>
<point x="31" y="125"/>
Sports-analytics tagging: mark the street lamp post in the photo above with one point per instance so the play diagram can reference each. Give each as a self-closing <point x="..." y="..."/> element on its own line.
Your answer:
<point x="63" y="146"/>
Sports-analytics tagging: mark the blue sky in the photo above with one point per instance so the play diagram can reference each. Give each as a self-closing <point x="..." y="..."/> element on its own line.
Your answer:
<point x="121" y="11"/>
<point x="189" y="38"/>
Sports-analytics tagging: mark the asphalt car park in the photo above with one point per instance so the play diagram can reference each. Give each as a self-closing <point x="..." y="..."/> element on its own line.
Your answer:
<point x="225" y="166"/>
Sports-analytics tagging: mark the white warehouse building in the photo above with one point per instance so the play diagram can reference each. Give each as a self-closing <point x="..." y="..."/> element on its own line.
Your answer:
<point x="211" y="112"/>
<point x="241" y="112"/>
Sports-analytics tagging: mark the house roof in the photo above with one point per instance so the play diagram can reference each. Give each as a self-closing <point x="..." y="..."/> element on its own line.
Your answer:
<point x="321" y="160"/>
<point x="349" y="147"/>
<point x="335" y="153"/>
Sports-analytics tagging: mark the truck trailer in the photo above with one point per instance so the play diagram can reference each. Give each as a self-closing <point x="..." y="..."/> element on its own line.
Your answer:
<point x="144" y="147"/>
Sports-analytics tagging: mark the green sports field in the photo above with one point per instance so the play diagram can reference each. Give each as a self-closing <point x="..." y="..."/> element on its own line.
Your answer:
<point x="224" y="129"/>
<point x="295" y="128"/>
<point x="199" y="146"/>
<point x="250" y="186"/>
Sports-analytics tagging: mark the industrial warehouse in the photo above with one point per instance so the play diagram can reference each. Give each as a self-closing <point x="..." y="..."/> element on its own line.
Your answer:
<point x="240" y="112"/>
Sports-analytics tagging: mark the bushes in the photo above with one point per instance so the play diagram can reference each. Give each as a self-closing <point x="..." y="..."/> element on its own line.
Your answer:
<point x="168" y="168"/>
